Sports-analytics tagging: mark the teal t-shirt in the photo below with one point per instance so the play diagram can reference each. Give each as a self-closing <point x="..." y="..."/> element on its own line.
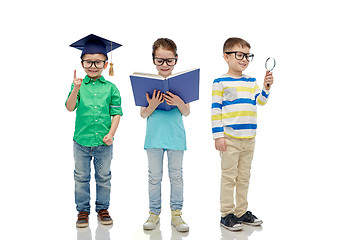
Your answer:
<point x="165" y="130"/>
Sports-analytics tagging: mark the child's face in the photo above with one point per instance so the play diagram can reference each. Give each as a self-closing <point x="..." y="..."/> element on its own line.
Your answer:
<point x="236" y="67"/>
<point x="91" y="60"/>
<point x="164" y="70"/>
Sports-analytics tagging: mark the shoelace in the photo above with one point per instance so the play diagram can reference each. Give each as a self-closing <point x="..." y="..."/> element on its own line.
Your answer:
<point x="230" y="219"/>
<point x="151" y="218"/>
<point x="250" y="216"/>
<point x="178" y="220"/>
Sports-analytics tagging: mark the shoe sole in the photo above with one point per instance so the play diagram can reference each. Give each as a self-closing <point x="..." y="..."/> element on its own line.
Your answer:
<point x="234" y="229"/>
<point x="82" y="225"/>
<point x="253" y="224"/>
<point x="152" y="228"/>
<point x="180" y="230"/>
<point x="105" y="222"/>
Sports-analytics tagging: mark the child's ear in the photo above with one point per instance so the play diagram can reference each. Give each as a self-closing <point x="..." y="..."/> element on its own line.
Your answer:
<point x="226" y="57"/>
<point x="105" y="66"/>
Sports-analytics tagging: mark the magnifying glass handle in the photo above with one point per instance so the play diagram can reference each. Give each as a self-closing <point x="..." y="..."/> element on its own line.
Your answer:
<point x="268" y="85"/>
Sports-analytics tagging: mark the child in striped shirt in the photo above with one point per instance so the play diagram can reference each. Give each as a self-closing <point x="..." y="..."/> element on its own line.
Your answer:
<point x="234" y="99"/>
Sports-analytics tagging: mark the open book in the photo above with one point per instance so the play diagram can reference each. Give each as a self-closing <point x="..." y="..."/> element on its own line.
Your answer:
<point x="184" y="84"/>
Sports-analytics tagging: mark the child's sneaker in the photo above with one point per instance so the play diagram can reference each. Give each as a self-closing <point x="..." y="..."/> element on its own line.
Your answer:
<point x="152" y="222"/>
<point x="250" y="219"/>
<point x="104" y="217"/>
<point x="231" y="222"/>
<point x="177" y="221"/>
<point x="82" y="220"/>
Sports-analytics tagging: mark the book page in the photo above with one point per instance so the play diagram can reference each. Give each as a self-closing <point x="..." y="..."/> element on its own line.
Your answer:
<point x="150" y="75"/>
<point x="155" y="76"/>
<point x="179" y="73"/>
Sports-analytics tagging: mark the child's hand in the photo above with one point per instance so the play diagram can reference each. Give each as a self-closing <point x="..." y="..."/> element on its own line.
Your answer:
<point x="77" y="81"/>
<point x="155" y="99"/>
<point x="268" y="80"/>
<point x="172" y="99"/>
<point x="108" y="139"/>
<point x="220" y="144"/>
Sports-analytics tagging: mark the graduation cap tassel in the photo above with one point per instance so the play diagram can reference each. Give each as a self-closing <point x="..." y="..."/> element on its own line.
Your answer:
<point x="111" y="72"/>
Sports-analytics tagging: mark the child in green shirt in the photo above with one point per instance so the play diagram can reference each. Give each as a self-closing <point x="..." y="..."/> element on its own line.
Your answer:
<point x="98" y="110"/>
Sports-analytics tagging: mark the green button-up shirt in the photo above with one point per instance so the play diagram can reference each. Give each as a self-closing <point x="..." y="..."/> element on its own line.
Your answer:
<point x="97" y="101"/>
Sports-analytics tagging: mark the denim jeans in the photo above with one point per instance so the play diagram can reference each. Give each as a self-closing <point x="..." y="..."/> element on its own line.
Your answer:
<point x="155" y="159"/>
<point x="101" y="156"/>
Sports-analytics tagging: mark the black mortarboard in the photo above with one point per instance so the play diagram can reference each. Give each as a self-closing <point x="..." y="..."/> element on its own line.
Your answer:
<point x="94" y="44"/>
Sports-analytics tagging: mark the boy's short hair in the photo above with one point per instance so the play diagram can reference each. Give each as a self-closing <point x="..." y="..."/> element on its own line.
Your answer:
<point x="94" y="53"/>
<point x="164" y="43"/>
<point x="231" y="42"/>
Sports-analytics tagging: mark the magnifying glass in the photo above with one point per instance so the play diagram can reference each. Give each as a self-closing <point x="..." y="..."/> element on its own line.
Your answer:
<point x="270" y="65"/>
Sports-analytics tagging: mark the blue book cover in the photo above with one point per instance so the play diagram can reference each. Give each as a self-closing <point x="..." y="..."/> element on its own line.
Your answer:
<point x="184" y="84"/>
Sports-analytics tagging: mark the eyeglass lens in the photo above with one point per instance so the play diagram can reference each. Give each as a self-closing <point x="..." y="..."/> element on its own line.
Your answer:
<point x="240" y="56"/>
<point x="97" y="64"/>
<point x="169" y="61"/>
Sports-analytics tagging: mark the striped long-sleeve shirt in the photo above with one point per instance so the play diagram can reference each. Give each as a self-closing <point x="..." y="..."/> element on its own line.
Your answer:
<point x="234" y="111"/>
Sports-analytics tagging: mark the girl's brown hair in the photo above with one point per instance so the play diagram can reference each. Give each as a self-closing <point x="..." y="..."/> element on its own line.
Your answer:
<point x="165" y="43"/>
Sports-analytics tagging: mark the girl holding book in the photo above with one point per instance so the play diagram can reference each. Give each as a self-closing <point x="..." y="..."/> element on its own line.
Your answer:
<point x="165" y="133"/>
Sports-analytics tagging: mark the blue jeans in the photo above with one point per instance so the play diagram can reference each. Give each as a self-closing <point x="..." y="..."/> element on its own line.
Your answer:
<point x="155" y="159"/>
<point x="102" y="156"/>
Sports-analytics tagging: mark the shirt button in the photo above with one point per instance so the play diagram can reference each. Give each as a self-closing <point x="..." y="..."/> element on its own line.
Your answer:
<point x="96" y="107"/>
<point x="95" y="94"/>
<point x="96" y="120"/>
<point x="96" y="133"/>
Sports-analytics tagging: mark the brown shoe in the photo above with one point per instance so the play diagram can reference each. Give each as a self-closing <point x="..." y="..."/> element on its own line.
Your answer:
<point x="104" y="217"/>
<point x="82" y="220"/>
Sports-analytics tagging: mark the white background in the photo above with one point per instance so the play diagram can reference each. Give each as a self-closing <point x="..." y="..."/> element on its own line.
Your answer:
<point x="296" y="176"/>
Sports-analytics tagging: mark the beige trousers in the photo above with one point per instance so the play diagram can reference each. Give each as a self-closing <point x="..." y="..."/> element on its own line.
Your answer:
<point x="236" y="165"/>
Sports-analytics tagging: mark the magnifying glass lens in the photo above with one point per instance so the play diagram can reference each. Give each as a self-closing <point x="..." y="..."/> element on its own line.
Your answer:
<point x="270" y="64"/>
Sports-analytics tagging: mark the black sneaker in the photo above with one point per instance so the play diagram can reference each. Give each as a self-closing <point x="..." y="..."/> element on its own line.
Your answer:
<point x="230" y="222"/>
<point x="250" y="219"/>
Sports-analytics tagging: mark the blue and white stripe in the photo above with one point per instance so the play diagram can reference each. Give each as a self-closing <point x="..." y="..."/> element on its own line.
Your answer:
<point x="234" y="111"/>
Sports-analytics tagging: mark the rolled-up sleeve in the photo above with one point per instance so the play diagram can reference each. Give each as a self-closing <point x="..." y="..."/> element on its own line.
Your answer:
<point x="115" y="105"/>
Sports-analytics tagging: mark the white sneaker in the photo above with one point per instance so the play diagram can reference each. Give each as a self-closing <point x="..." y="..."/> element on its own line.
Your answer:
<point x="152" y="222"/>
<point x="178" y="222"/>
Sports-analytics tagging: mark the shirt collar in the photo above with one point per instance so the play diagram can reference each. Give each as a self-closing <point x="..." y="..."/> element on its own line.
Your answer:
<point x="88" y="79"/>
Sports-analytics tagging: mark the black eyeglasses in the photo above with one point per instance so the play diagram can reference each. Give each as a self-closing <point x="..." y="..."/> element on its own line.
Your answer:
<point x="89" y="64"/>
<point x="240" y="55"/>
<point x="160" y="61"/>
